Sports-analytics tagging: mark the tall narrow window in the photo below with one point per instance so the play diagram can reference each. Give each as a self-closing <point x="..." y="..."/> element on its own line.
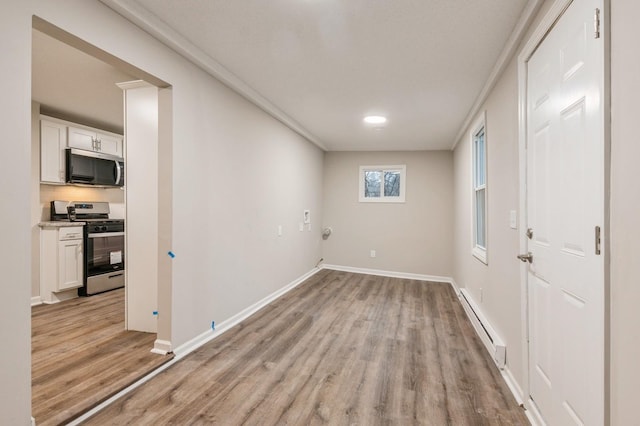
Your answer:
<point x="479" y="146"/>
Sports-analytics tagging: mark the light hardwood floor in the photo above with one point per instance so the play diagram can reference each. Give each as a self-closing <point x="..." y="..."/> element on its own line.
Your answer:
<point x="340" y="349"/>
<point x="81" y="355"/>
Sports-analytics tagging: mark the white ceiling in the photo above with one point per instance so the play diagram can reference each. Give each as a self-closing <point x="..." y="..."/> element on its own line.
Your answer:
<point x="318" y="65"/>
<point x="326" y="64"/>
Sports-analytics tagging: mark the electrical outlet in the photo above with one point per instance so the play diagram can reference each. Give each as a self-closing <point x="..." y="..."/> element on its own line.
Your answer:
<point x="373" y="253"/>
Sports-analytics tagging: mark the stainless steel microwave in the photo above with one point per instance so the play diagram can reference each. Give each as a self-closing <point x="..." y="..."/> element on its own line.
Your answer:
<point x="93" y="168"/>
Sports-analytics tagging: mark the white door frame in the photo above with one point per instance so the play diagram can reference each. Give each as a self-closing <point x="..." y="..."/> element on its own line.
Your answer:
<point x="546" y="24"/>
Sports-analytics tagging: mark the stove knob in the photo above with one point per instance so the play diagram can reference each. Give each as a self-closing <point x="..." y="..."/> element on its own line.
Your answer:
<point x="104" y="229"/>
<point x="96" y="228"/>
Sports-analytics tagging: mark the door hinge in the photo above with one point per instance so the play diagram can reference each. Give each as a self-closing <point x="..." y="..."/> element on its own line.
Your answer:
<point x="596" y="23"/>
<point x="597" y="240"/>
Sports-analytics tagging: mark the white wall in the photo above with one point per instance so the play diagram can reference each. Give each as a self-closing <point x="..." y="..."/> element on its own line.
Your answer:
<point x="237" y="175"/>
<point x="413" y="237"/>
<point x="15" y="250"/>
<point x="496" y="286"/>
<point x="625" y="213"/>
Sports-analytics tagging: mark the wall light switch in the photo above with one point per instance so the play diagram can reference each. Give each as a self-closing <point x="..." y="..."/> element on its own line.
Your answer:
<point x="301" y="227"/>
<point x="279" y="230"/>
<point x="309" y="227"/>
<point x="373" y="253"/>
<point x="513" y="219"/>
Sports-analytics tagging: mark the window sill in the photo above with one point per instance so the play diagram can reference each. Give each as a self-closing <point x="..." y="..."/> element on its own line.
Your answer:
<point x="480" y="254"/>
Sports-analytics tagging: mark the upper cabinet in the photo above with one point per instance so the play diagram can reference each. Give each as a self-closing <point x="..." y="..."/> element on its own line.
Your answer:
<point x="95" y="140"/>
<point x="57" y="135"/>
<point x="53" y="141"/>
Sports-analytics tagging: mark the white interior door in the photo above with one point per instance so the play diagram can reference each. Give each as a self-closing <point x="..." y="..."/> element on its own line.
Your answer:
<point x="565" y="207"/>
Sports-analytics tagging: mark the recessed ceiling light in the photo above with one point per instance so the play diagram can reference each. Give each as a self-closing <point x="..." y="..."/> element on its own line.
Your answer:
<point x="375" y="119"/>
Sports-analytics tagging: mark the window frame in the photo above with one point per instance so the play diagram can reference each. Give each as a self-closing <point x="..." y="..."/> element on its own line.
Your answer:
<point x="402" y="168"/>
<point x="479" y="184"/>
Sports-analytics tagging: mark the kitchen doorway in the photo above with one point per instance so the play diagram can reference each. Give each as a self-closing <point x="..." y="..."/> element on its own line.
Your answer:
<point x="152" y="302"/>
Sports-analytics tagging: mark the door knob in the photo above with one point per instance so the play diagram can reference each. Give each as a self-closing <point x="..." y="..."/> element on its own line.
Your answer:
<point x="526" y="257"/>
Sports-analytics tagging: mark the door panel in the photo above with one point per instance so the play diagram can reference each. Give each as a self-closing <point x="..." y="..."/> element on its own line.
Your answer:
<point x="565" y="202"/>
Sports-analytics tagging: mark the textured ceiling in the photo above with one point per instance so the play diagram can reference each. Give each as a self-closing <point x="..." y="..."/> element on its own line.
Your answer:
<point x="328" y="63"/>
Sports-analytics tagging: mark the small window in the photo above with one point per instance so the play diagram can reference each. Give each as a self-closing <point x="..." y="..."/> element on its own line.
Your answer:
<point x="382" y="184"/>
<point x="479" y="147"/>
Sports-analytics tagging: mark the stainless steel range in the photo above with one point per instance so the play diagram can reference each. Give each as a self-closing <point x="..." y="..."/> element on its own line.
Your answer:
<point x="103" y="243"/>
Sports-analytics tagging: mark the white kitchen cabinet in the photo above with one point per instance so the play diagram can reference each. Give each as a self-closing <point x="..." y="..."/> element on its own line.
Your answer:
<point x="69" y="264"/>
<point x="61" y="263"/>
<point x="82" y="138"/>
<point x="53" y="141"/>
<point x="93" y="140"/>
<point x="57" y="135"/>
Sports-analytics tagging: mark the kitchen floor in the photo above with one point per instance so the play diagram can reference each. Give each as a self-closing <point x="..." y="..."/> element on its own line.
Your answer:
<point x="81" y="355"/>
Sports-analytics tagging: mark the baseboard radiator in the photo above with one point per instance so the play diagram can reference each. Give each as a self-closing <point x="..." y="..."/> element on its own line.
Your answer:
<point x="485" y="331"/>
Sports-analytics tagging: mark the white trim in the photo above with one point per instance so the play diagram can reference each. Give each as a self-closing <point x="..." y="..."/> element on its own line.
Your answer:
<point x="392" y="274"/>
<point x="488" y="335"/>
<point x="455" y="286"/>
<point x="36" y="300"/>
<point x="134" y="84"/>
<point x="161" y="347"/>
<point x="477" y="251"/>
<point x="513" y="385"/>
<point x="533" y="414"/>
<point x="149" y="22"/>
<point x="402" y="168"/>
<point x="224" y="326"/>
<point x="507" y="53"/>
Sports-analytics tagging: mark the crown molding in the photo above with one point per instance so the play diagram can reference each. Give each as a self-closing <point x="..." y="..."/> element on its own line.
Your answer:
<point x="506" y="55"/>
<point x="150" y="23"/>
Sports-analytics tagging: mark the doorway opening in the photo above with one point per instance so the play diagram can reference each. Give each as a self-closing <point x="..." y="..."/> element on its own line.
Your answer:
<point x="85" y="342"/>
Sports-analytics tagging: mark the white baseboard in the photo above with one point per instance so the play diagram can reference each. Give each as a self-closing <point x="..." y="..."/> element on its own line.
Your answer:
<point x="161" y="347"/>
<point x="455" y="286"/>
<point x="488" y="335"/>
<point x="36" y="300"/>
<point x="532" y="413"/>
<point x="513" y="385"/>
<point x="208" y="335"/>
<point x="393" y="274"/>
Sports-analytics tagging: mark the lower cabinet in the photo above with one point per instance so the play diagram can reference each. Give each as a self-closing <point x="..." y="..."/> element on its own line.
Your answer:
<point x="69" y="265"/>
<point x="61" y="261"/>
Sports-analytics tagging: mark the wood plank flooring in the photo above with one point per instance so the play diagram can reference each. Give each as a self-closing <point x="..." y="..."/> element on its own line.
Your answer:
<point x="81" y="355"/>
<point x="341" y="348"/>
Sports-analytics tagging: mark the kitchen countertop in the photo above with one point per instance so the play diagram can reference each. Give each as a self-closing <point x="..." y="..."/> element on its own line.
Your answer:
<point x="60" y="224"/>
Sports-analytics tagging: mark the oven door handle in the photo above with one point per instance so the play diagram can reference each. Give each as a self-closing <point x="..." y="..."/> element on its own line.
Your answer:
<point x="106" y="234"/>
